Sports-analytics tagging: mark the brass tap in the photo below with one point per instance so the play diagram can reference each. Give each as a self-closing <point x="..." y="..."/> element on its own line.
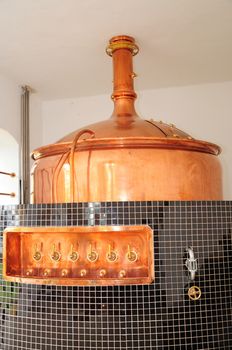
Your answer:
<point x="74" y="255"/>
<point x="111" y="255"/>
<point x="55" y="256"/>
<point x="37" y="254"/>
<point x="132" y="256"/>
<point x="92" y="255"/>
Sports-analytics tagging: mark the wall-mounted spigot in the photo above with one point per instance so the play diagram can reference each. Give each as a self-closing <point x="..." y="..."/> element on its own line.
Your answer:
<point x="191" y="263"/>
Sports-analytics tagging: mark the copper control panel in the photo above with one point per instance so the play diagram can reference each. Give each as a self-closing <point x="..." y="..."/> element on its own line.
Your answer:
<point x="100" y="255"/>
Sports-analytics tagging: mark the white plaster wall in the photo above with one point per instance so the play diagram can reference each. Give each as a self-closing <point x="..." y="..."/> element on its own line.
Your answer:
<point x="63" y="116"/>
<point x="202" y="110"/>
<point x="36" y="122"/>
<point x="9" y="138"/>
<point x="9" y="162"/>
<point x="10" y="107"/>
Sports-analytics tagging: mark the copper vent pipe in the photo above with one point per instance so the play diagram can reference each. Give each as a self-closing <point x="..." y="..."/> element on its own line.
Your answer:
<point x="25" y="148"/>
<point x="122" y="48"/>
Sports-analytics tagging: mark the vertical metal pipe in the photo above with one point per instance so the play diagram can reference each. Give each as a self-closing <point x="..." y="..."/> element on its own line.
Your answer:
<point x="25" y="146"/>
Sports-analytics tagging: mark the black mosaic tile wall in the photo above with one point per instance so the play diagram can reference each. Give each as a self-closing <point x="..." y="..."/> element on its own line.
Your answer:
<point x="159" y="316"/>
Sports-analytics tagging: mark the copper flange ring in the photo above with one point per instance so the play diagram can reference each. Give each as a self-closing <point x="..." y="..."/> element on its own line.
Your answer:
<point x="122" y="45"/>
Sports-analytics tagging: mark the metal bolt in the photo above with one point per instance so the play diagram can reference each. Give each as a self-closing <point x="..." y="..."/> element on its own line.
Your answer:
<point x="122" y="273"/>
<point x="64" y="272"/>
<point x="102" y="273"/>
<point x="83" y="273"/>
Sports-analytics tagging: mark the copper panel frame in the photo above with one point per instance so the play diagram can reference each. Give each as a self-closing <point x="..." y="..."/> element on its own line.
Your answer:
<point x="99" y="255"/>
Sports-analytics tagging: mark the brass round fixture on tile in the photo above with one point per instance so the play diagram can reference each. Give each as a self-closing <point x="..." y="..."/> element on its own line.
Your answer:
<point x="194" y="293"/>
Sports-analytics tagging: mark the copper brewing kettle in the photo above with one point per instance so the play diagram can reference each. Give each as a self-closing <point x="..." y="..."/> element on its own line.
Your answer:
<point x="126" y="158"/>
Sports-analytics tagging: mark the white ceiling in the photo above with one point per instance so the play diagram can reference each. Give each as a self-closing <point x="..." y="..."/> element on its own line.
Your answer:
<point x="58" y="46"/>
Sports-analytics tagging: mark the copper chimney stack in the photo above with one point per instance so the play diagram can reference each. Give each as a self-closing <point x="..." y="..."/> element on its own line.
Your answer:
<point x="126" y="158"/>
<point x="122" y="48"/>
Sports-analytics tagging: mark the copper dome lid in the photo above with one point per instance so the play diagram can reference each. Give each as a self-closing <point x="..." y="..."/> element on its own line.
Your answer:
<point x="125" y="127"/>
<point x="126" y="158"/>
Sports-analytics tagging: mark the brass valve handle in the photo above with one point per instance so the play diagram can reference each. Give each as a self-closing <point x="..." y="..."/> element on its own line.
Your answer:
<point x="55" y="254"/>
<point x="132" y="256"/>
<point x="74" y="255"/>
<point x="194" y="293"/>
<point x="111" y="255"/>
<point x="92" y="255"/>
<point x="37" y="254"/>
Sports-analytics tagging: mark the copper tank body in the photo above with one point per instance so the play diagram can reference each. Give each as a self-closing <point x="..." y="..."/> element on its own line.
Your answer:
<point x="126" y="158"/>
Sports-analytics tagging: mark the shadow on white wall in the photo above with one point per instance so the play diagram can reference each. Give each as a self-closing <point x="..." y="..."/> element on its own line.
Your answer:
<point x="9" y="162"/>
